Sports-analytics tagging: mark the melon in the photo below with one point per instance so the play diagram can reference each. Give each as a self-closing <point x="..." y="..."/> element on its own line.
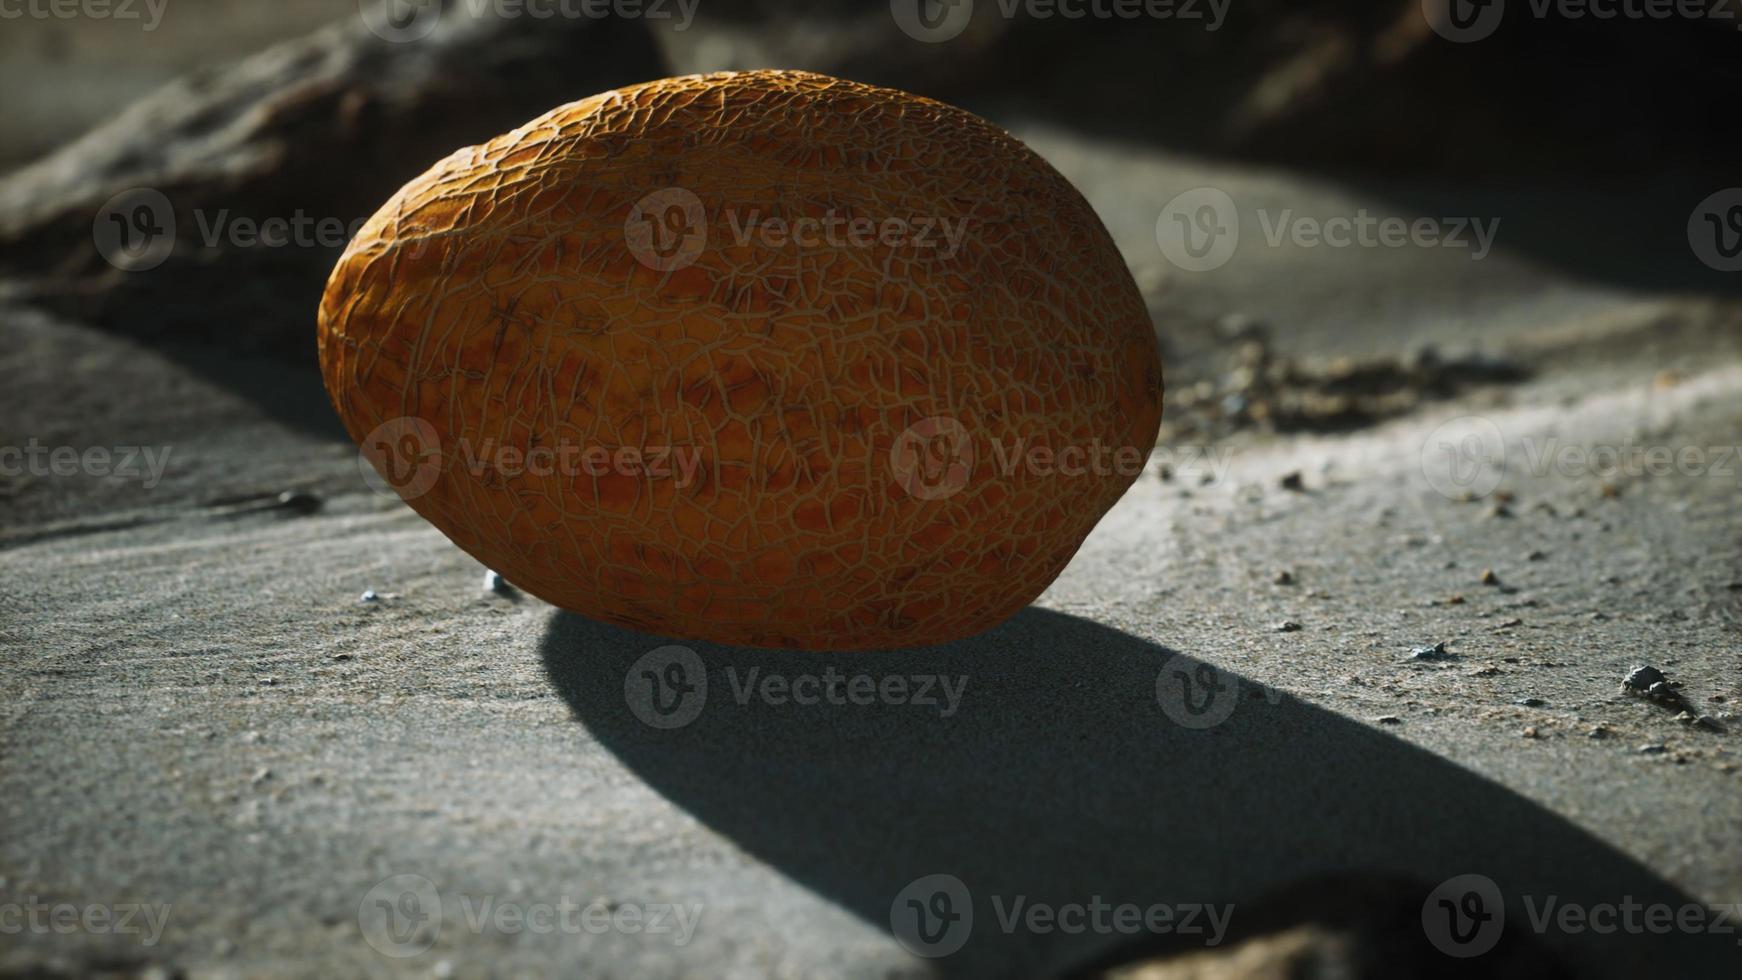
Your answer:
<point x="763" y="358"/>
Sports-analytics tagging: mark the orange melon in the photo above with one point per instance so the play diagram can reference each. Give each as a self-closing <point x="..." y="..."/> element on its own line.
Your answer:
<point x="764" y="358"/>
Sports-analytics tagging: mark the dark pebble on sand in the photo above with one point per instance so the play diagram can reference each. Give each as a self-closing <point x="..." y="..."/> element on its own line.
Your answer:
<point x="1436" y="652"/>
<point x="1640" y="679"/>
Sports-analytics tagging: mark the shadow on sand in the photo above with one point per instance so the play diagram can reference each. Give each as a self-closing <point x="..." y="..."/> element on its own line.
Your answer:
<point x="1063" y="778"/>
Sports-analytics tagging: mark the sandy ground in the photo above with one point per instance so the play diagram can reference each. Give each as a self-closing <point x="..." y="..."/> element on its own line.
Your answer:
<point x="197" y="710"/>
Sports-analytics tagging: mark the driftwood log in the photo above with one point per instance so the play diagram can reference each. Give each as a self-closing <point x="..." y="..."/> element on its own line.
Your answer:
<point x="210" y="212"/>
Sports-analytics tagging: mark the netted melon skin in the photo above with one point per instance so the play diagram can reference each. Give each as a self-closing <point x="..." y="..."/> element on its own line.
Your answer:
<point x="855" y="409"/>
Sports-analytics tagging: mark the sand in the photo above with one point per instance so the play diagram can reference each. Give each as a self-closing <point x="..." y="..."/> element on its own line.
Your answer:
<point x="197" y="710"/>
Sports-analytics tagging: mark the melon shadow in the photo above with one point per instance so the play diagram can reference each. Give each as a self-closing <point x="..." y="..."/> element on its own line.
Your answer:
<point x="1060" y="778"/>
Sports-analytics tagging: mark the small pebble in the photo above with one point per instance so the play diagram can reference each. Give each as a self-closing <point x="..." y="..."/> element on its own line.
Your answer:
<point x="1651" y="749"/>
<point x="1531" y="702"/>
<point x="1640" y="679"/>
<point x="1530" y="732"/>
<point x="1284" y="577"/>
<point x="369" y="596"/>
<point x="1511" y="623"/>
<point x="1535" y="556"/>
<point x="1436" y="652"/>
<point x="1288" y="626"/>
<point x="1456" y="600"/>
<point x="1389" y="720"/>
<point x="1598" y="731"/>
<point x="1707" y="722"/>
<point x="341" y="657"/>
<point x="298" y="502"/>
<point x="494" y="582"/>
<point x="1293" y="481"/>
<point x="1489" y="578"/>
